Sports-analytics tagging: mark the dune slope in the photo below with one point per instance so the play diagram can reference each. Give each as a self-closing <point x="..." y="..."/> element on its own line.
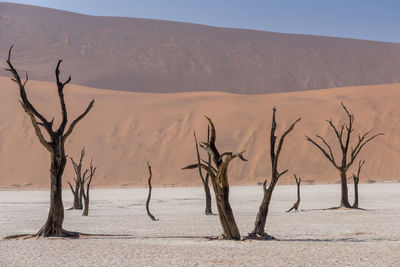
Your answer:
<point x="126" y="129"/>
<point x="145" y="55"/>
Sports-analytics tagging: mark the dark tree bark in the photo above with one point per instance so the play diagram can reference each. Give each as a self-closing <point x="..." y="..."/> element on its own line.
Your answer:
<point x="53" y="225"/>
<point x="261" y="219"/>
<point x="348" y="153"/>
<point x="204" y="180"/>
<point x="87" y="181"/>
<point x="79" y="187"/>
<point x="219" y="179"/>
<point x="356" y="179"/>
<point x="295" y="206"/>
<point x="149" y="195"/>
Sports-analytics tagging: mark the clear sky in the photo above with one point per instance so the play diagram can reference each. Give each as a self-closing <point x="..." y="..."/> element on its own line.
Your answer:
<point x="361" y="19"/>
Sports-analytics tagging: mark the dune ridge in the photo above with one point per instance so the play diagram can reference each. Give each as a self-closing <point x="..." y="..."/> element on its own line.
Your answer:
<point x="146" y="55"/>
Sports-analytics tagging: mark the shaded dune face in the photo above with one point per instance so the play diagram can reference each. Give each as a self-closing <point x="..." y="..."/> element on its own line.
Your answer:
<point x="127" y="129"/>
<point x="158" y="56"/>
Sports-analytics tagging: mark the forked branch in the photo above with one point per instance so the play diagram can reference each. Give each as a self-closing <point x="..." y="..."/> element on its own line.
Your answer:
<point x="87" y="180"/>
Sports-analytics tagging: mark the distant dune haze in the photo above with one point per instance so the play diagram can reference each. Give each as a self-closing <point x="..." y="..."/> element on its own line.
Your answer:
<point x="146" y="55"/>
<point x="126" y="129"/>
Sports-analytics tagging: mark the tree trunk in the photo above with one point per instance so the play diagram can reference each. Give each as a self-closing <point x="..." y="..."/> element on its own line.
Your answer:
<point x="53" y="225"/>
<point x="355" y="205"/>
<point x="149" y="195"/>
<point x="80" y="201"/>
<point x="344" y="191"/>
<point x="220" y="183"/>
<point x="208" y="210"/>
<point x="295" y="206"/>
<point x="261" y="219"/>
<point x="76" y="205"/>
<point x="86" y="208"/>
<point x="259" y="226"/>
<point x="226" y="218"/>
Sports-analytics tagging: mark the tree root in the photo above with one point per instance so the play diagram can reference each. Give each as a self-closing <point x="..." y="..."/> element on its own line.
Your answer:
<point x="221" y="237"/>
<point x="65" y="234"/>
<point x="255" y="236"/>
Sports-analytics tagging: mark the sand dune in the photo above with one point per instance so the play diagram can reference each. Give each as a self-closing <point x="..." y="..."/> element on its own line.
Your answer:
<point x="126" y="129"/>
<point x="159" y="56"/>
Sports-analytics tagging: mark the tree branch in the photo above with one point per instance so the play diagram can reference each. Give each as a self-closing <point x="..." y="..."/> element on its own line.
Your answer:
<point x="38" y="132"/>
<point x="24" y="99"/>
<point x="211" y="144"/>
<point x="60" y="86"/>
<point x="338" y="135"/>
<point x="355" y="153"/>
<point x="323" y="151"/>
<point x="273" y="137"/>
<point x="281" y="140"/>
<point x="198" y="156"/>
<point x="70" y="186"/>
<point x="329" y="148"/>
<point x="205" y="167"/>
<point x="71" y="127"/>
<point x="210" y="166"/>
<point x="265" y="186"/>
<point x="349" y="129"/>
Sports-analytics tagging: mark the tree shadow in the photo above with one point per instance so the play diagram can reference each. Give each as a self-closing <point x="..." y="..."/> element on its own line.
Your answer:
<point x="336" y="208"/>
<point x="204" y="238"/>
<point x="74" y="235"/>
<point x="127" y="237"/>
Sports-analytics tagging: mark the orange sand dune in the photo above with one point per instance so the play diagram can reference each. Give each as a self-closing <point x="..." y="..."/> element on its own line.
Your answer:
<point x="126" y="129"/>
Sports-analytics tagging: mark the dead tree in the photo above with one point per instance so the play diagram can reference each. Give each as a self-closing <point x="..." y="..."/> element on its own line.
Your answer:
<point x="55" y="146"/>
<point x="219" y="179"/>
<point x="204" y="180"/>
<point x="348" y="153"/>
<point x="149" y="195"/>
<point x="295" y="206"/>
<point x="87" y="181"/>
<point x="356" y="179"/>
<point x="79" y="187"/>
<point x="259" y="226"/>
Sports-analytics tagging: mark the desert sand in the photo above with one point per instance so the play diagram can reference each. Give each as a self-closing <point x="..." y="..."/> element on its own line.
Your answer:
<point x="146" y="55"/>
<point x="126" y="129"/>
<point x="181" y="236"/>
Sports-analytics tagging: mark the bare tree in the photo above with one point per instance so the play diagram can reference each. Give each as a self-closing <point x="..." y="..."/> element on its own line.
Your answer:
<point x="259" y="226"/>
<point x="53" y="225"/>
<point x="349" y="153"/>
<point x="219" y="179"/>
<point x="79" y="187"/>
<point x="295" y="206"/>
<point x="356" y="179"/>
<point x="87" y="181"/>
<point x="204" y="180"/>
<point x="149" y="195"/>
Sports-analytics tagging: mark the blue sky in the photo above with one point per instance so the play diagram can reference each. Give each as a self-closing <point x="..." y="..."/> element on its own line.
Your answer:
<point x="361" y="19"/>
